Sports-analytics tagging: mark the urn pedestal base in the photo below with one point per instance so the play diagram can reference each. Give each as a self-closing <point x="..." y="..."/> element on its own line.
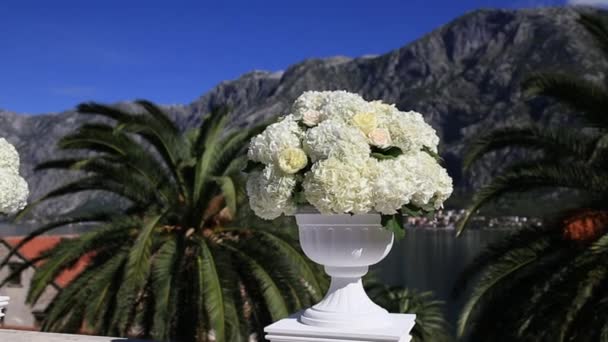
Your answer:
<point x="3" y="304"/>
<point x="292" y="330"/>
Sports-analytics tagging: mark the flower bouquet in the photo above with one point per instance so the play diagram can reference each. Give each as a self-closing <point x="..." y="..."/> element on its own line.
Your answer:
<point x="349" y="170"/>
<point x="341" y="154"/>
<point x="13" y="189"/>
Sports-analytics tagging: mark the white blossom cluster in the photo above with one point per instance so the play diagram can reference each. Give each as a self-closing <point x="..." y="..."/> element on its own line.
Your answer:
<point x="329" y="147"/>
<point x="13" y="188"/>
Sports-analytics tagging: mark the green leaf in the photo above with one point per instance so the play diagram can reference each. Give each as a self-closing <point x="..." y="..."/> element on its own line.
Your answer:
<point x="229" y="191"/>
<point x="139" y="256"/>
<point x="213" y="295"/>
<point x="432" y="153"/>
<point x="164" y="269"/>
<point x="394" y="223"/>
<point x="300" y="198"/>
<point x="412" y="211"/>
<point x="386" y="153"/>
<point x="381" y="156"/>
<point x="587" y="98"/>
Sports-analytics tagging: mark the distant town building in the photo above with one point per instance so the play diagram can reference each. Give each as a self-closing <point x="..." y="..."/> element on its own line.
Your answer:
<point x="20" y="315"/>
<point x="448" y="219"/>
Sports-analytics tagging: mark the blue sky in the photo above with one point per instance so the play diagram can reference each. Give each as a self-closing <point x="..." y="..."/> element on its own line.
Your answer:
<point x="55" y="54"/>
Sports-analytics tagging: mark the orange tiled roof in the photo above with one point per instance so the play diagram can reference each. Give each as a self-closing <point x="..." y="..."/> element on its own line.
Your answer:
<point x="41" y="244"/>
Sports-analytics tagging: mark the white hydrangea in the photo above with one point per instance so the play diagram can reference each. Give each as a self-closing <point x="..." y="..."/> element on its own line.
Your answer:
<point x="434" y="182"/>
<point x="266" y="147"/>
<point x="13" y="188"/>
<point x="414" y="178"/>
<point x="410" y="133"/>
<point x="384" y="112"/>
<point x="444" y="188"/>
<point x="395" y="184"/>
<point x="335" y="186"/>
<point x="270" y="193"/>
<point x="309" y="101"/>
<point x="333" y="138"/>
<point x="9" y="158"/>
<point x="337" y="105"/>
<point x="13" y="191"/>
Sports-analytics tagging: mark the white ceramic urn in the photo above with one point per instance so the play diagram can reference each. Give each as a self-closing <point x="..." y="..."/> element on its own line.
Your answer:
<point x="346" y="245"/>
<point x="3" y="304"/>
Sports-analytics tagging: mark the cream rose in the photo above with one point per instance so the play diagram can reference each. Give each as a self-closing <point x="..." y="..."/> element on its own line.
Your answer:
<point x="292" y="160"/>
<point x="311" y="118"/>
<point x="366" y="122"/>
<point x="380" y="137"/>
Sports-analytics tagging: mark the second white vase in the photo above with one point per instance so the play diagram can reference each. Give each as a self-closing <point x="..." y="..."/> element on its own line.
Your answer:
<point x="346" y="245"/>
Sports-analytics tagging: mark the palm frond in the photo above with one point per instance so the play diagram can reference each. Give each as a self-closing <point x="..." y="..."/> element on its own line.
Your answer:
<point x="159" y="115"/>
<point x="554" y="141"/>
<point x="296" y="259"/>
<point x="212" y="293"/>
<point x="510" y="263"/>
<point x="494" y="252"/>
<point x="90" y="217"/>
<point x="164" y="268"/>
<point x="530" y="176"/>
<point x="139" y="257"/>
<point x="207" y="147"/>
<point x="228" y="191"/>
<point x="273" y="298"/>
<point x="68" y="252"/>
<point x="586" y="98"/>
<point x="431" y="325"/>
<point x="169" y="144"/>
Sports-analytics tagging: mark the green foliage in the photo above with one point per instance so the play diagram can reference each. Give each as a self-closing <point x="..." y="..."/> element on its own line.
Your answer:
<point x="181" y="260"/>
<point x="395" y="224"/>
<point x="539" y="285"/>
<point x="536" y="286"/>
<point x="386" y="153"/>
<point x="431" y="325"/>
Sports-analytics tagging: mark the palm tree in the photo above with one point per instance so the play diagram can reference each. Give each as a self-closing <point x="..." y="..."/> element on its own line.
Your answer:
<point x="176" y="261"/>
<point x="548" y="283"/>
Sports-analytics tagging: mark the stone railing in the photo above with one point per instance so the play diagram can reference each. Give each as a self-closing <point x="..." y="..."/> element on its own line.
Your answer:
<point x="34" y="336"/>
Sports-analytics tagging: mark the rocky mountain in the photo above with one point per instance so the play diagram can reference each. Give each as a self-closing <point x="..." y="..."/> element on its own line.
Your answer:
<point x="464" y="77"/>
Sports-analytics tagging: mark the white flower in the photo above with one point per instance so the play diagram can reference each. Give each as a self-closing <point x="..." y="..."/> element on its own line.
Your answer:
<point x="292" y="160"/>
<point x="335" y="186"/>
<point x="434" y="182"/>
<point x="366" y="122"/>
<point x="410" y="133"/>
<point x="340" y="105"/>
<point x="414" y="178"/>
<point x="309" y="101"/>
<point x="9" y="158"/>
<point x="267" y="146"/>
<point x="395" y="184"/>
<point x="444" y="188"/>
<point x="335" y="139"/>
<point x="311" y="118"/>
<point x="270" y="193"/>
<point x="13" y="191"/>
<point x="380" y="137"/>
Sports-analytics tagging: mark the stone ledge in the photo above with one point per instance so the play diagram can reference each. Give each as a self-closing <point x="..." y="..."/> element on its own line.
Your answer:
<point x="34" y="336"/>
